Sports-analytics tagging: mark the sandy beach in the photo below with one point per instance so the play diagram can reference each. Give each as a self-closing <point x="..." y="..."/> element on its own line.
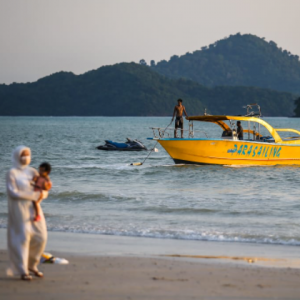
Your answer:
<point x="132" y="268"/>
<point x="109" y="277"/>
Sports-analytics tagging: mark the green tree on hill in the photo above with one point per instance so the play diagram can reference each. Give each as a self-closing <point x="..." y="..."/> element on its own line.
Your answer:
<point x="239" y="60"/>
<point x="297" y="109"/>
<point x="130" y="89"/>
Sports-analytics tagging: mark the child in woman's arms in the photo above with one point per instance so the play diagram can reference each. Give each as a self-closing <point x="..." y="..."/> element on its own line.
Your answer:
<point x="41" y="183"/>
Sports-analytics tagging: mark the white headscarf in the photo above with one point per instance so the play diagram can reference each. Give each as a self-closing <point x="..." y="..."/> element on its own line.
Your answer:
<point x="16" y="155"/>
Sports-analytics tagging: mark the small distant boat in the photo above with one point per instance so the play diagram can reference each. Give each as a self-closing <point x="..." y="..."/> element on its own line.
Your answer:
<point x="129" y="145"/>
<point x="228" y="149"/>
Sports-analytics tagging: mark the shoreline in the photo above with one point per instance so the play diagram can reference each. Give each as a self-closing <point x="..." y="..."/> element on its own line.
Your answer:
<point x="83" y="244"/>
<point x="117" y="267"/>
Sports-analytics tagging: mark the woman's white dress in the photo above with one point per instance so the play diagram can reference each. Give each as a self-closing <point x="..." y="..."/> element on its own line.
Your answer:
<point x="26" y="240"/>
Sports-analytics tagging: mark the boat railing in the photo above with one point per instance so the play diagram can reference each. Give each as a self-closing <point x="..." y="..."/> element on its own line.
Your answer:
<point x="251" y="112"/>
<point x="289" y="130"/>
<point x="159" y="132"/>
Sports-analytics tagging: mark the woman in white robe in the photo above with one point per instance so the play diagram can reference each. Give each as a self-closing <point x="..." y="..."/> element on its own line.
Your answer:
<point x="26" y="239"/>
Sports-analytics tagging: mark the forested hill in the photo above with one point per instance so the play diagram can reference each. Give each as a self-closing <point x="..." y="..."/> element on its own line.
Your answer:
<point x="130" y="89"/>
<point x="239" y="60"/>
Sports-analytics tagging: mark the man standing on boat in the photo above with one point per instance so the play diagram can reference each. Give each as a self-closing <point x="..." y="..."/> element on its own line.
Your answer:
<point x="179" y="109"/>
<point x="240" y="130"/>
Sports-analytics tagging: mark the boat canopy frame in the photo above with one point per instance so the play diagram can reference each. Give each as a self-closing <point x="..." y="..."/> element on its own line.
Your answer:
<point x="219" y="120"/>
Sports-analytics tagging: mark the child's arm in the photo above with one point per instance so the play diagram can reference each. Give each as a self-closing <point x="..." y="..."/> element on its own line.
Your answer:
<point x="48" y="185"/>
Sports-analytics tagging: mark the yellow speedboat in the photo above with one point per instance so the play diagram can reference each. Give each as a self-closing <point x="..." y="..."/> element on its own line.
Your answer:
<point x="228" y="149"/>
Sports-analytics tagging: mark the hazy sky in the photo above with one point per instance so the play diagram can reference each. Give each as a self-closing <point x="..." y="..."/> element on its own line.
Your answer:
<point x="41" y="37"/>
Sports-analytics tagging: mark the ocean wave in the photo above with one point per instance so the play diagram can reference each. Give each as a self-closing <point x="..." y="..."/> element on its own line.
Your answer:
<point x="173" y="234"/>
<point x="164" y="210"/>
<point x="182" y="235"/>
<point x="194" y="210"/>
<point x="76" y="196"/>
<point x="123" y="166"/>
<point x="245" y="166"/>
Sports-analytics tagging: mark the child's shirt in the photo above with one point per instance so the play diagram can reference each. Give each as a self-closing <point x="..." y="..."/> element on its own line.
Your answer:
<point x="40" y="184"/>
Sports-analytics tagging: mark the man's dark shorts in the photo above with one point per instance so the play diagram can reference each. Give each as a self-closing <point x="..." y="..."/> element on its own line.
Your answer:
<point x="179" y="122"/>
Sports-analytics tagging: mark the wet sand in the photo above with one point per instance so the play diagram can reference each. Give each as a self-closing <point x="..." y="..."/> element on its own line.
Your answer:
<point x="136" y="275"/>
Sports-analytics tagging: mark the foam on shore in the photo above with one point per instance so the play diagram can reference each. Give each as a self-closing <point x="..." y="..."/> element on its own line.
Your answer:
<point x="103" y="245"/>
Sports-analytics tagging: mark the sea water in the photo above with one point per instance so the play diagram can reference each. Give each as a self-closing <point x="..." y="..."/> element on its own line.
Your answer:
<point x="99" y="192"/>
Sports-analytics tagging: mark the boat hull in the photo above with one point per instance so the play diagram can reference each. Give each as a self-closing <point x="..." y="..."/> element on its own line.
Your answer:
<point x="230" y="152"/>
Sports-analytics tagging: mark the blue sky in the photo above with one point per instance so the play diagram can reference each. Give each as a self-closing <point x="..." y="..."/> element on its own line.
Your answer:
<point x="38" y="37"/>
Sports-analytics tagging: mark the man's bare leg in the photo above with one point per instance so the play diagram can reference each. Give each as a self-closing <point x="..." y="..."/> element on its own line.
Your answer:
<point x="175" y="133"/>
<point x="182" y="133"/>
